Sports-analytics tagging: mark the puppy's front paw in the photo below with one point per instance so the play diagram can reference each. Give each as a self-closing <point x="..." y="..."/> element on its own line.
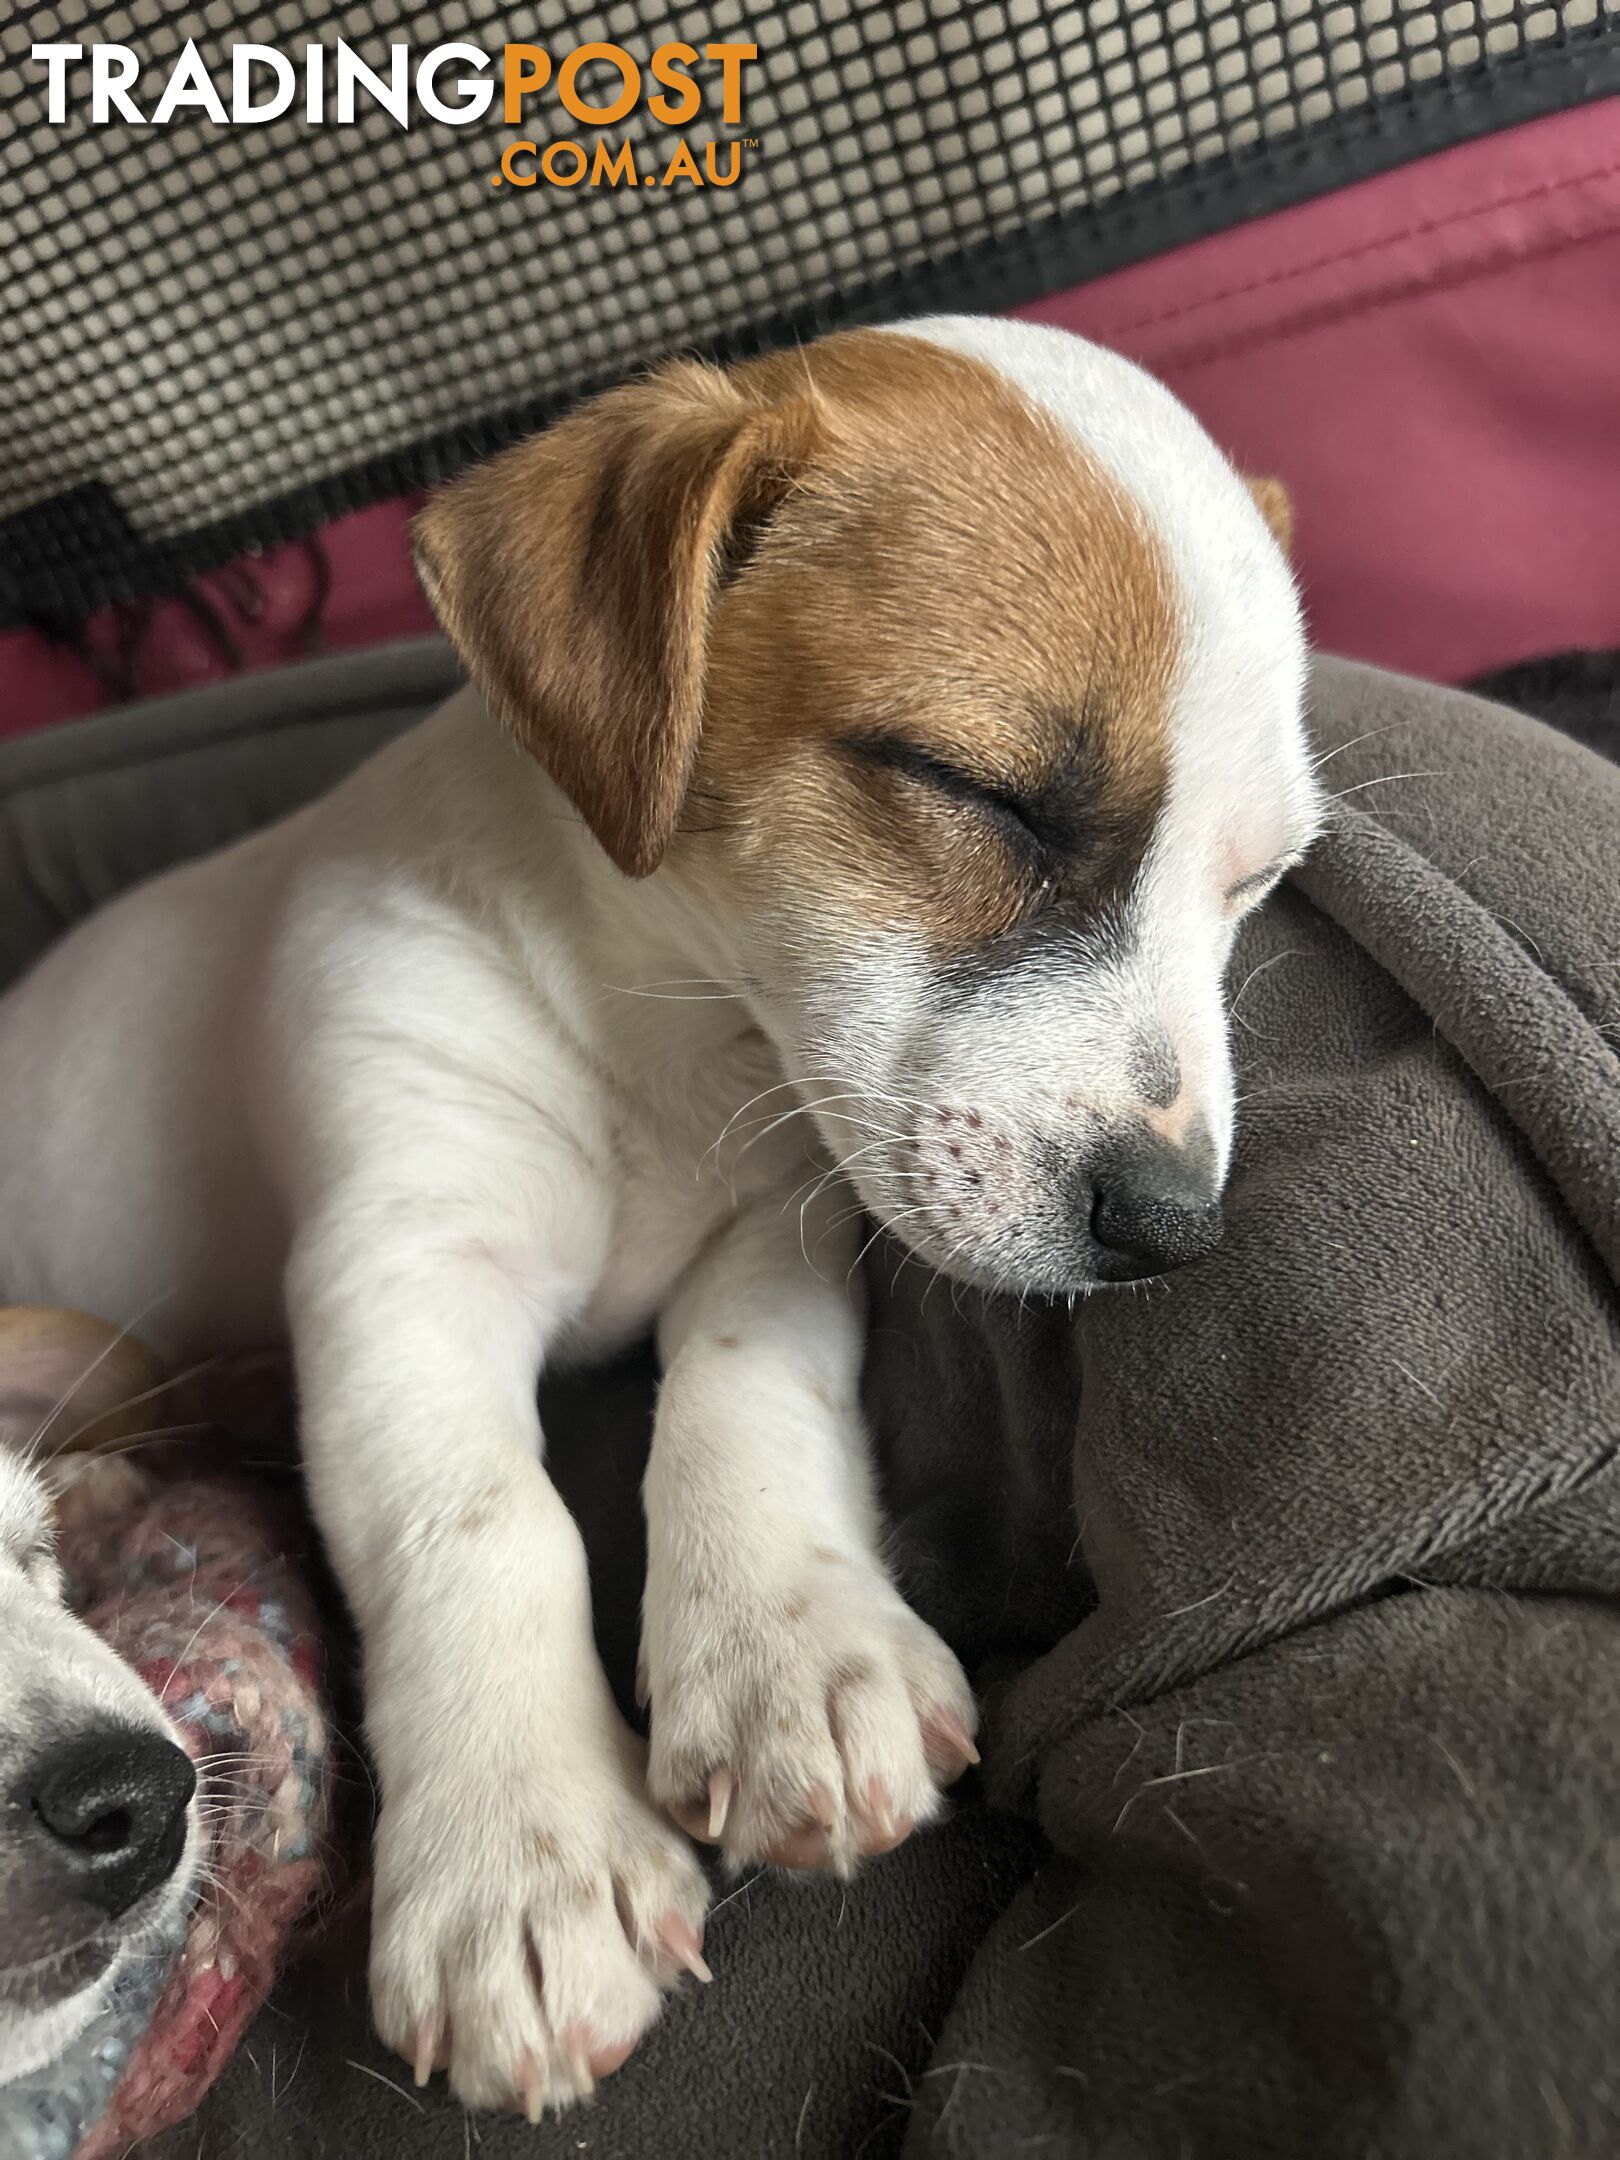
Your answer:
<point x="809" y="1723"/>
<point x="524" y="1944"/>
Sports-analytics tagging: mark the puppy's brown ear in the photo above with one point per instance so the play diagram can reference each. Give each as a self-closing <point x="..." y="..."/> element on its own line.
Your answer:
<point x="576" y="574"/>
<point x="1276" y="507"/>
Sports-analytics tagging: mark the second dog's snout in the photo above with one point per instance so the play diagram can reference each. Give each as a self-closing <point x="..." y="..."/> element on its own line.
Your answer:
<point x="1153" y="1209"/>
<point x="112" y="1803"/>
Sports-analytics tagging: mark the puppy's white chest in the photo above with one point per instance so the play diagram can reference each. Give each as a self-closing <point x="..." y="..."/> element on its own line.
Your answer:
<point x="660" y="1222"/>
<point x="689" y="1146"/>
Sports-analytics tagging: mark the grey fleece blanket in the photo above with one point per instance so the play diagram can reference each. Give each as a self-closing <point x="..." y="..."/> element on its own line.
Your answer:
<point x="1330" y="1770"/>
<point x="1291" y="1582"/>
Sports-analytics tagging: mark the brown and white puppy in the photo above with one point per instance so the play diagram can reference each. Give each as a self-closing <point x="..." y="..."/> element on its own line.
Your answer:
<point x="910" y="721"/>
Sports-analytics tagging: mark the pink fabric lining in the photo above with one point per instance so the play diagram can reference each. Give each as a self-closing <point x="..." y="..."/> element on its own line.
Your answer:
<point x="373" y="597"/>
<point x="1428" y="359"/>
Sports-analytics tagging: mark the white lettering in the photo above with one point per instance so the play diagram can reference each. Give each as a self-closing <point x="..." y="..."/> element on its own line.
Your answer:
<point x="473" y="97"/>
<point x="190" y="84"/>
<point x="112" y="69"/>
<point x="56" y="58"/>
<point x="244" y="59"/>
<point x="394" y="96"/>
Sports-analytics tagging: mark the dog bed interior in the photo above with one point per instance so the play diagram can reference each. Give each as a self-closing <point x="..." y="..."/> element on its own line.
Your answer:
<point x="1291" y="1590"/>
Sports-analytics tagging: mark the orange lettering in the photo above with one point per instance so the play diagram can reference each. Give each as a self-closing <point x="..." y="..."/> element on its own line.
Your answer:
<point x="509" y="171"/>
<point x="682" y="167"/>
<point x="629" y="84"/>
<point x="617" y="171"/>
<point x="548" y="164"/>
<point x="523" y="68"/>
<point x="732" y="171"/>
<point x="669" y="66"/>
<point x="732" y="59"/>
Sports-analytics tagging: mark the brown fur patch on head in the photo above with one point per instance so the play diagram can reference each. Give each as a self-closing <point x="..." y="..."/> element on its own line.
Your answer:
<point x="862" y="613"/>
<point x="953" y="594"/>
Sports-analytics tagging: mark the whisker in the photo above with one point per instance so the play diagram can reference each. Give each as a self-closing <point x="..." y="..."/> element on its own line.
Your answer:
<point x="805" y="1110"/>
<point x="1232" y="1013"/>
<point x="1327" y="756"/>
<point x="1382" y="780"/>
<point x="681" y="997"/>
<point x="886" y="1225"/>
<point x="823" y="1178"/>
<point x="134" y="1444"/>
<point x="217" y="1607"/>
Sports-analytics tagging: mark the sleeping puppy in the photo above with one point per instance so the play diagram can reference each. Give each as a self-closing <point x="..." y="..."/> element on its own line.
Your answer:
<point x="100" y="1844"/>
<point x="872" y="752"/>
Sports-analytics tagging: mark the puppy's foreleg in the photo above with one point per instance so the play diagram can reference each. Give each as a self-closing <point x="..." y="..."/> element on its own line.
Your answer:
<point x="529" y="1903"/>
<point x="800" y="1710"/>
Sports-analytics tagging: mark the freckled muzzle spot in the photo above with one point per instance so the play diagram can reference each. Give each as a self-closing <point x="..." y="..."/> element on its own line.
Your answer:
<point x="965" y="1159"/>
<point x="1046" y="1190"/>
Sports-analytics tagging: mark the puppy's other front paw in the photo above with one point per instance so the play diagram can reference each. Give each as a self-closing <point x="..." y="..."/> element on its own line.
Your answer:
<point x="811" y="1723"/>
<point x="525" y="1947"/>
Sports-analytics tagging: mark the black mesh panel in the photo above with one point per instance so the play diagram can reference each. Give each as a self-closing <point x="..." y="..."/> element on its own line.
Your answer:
<point x="216" y="337"/>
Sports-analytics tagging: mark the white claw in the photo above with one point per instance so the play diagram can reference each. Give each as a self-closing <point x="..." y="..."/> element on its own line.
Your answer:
<point x="721" y="1786"/>
<point x="427" y="2046"/>
<point x="684" y="1946"/>
<point x="530" y="2087"/>
<point x="579" y="2063"/>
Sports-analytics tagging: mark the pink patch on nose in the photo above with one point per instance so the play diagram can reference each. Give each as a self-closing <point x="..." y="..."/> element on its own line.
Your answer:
<point x="1173" y="1121"/>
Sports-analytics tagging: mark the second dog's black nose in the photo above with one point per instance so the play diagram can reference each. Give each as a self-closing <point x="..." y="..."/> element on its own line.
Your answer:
<point x="1154" y="1210"/>
<point x="112" y="1802"/>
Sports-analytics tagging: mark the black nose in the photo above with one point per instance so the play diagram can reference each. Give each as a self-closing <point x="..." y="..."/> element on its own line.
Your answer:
<point x="112" y="1802"/>
<point x="1153" y="1210"/>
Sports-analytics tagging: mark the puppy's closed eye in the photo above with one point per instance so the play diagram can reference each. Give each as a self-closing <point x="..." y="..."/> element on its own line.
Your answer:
<point x="1248" y="892"/>
<point x="1017" y="817"/>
